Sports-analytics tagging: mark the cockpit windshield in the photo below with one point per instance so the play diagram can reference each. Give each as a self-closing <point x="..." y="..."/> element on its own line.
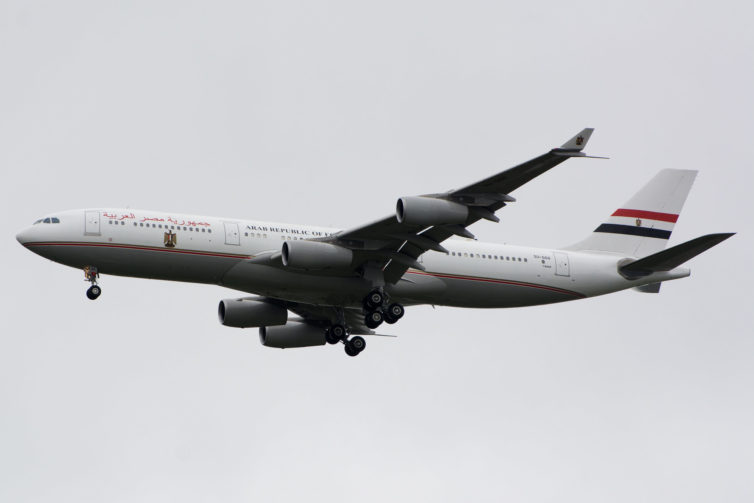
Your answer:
<point x="48" y="220"/>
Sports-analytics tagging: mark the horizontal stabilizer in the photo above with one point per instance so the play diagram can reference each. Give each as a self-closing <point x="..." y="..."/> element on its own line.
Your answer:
<point x="672" y="257"/>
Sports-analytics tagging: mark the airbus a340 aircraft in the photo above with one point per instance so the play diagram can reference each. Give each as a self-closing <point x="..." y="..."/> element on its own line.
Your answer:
<point x="342" y="284"/>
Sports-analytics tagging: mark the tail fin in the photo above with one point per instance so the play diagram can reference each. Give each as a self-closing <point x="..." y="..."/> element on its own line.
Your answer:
<point x="642" y="226"/>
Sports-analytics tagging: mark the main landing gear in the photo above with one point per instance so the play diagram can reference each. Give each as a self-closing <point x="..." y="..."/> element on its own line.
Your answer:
<point x="91" y="275"/>
<point x="377" y="309"/>
<point x="337" y="333"/>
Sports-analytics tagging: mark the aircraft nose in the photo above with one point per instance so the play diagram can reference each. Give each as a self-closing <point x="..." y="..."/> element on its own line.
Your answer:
<point x="23" y="236"/>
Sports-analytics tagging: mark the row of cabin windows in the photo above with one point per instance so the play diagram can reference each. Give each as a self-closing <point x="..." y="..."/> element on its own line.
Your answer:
<point x="160" y="226"/>
<point x="491" y="257"/>
<point x="48" y="220"/>
<point x="259" y="236"/>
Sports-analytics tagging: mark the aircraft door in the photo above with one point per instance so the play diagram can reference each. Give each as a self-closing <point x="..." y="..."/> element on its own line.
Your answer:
<point x="91" y="227"/>
<point x="562" y="266"/>
<point x="232" y="236"/>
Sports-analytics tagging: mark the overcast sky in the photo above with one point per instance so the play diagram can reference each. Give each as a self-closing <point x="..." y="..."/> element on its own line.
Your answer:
<point x="324" y="113"/>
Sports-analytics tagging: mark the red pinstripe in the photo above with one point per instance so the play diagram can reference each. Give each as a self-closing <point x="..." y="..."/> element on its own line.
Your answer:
<point x="144" y="248"/>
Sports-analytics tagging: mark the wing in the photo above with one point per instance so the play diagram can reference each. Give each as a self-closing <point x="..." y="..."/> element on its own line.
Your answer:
<point x="393" y="244"/>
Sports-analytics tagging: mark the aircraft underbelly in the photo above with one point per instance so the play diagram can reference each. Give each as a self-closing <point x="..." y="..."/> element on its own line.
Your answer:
<point x="127" y="261"/>
<point x="299" y="286"/>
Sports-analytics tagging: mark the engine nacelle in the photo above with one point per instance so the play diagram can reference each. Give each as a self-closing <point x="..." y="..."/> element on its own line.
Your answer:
<point x="292" y="335"/>
<point x="315" y="255"/>
<point x="426" y="211"/>
<point x="243" y="313"/>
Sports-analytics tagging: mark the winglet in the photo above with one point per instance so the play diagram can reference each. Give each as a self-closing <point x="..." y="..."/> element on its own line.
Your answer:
<point x="578" y="142"/>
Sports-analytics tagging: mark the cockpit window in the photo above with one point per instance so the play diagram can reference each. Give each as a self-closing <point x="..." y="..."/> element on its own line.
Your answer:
<point x="48" y="220"/>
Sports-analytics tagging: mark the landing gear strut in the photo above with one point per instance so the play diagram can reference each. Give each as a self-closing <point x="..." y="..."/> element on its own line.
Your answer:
<point x="91" y="275"/>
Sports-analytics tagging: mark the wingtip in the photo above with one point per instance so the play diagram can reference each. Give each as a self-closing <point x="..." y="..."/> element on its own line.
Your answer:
<point x="578" y="142"/>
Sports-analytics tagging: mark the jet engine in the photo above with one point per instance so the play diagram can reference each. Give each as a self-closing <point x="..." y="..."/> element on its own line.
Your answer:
<point x="315" y="255"/>
<point x="426" y="211"/>
<point x="292" y="335"/>
<point x="243" y="313"/>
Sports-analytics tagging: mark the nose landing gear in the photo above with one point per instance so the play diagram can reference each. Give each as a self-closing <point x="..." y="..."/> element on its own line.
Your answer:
<point x="91" y="275"/>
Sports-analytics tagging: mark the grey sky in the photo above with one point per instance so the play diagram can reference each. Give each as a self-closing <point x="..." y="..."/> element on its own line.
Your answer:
<point x="325" y="113"/>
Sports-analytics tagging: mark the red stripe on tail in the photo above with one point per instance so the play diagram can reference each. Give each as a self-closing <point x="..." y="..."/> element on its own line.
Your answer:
<point x="651" y="215"/>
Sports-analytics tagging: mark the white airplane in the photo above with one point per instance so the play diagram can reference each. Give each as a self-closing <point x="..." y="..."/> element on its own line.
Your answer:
<point x="344" y="283"/>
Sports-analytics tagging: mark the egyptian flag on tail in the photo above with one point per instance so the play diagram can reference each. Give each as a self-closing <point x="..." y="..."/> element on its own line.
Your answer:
<point x="643" y="224"/>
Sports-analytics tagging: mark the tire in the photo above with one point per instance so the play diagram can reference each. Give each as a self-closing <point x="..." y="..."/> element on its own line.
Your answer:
<point x="330" y="338"/>
<point x="374" y="299"/>
<point x="396" y="311"/>
<point x="338" y="332"/>
<point x="358" y="343"/>
<point x="93" y="292"/>
<point x="373" y="319"/>
<point x="350" y="350"/>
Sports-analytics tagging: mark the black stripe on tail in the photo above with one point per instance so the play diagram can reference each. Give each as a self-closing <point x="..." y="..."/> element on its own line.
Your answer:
<point x="631" y="230"/>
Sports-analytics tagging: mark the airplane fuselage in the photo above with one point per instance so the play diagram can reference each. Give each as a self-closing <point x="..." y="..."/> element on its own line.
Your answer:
<point x="198" y="249"/>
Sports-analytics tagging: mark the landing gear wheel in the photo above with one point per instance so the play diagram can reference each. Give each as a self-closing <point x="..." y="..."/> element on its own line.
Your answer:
<point x="330" y="338"/>
<point x="93" y="292"/>
<point x="358" y="343"/>
<point x="373" y="319"/>
<point x="337" y="333"/>
<point x="350" y="350"/>
<point x="374" y="299"/>
<point x="394" y="313"/>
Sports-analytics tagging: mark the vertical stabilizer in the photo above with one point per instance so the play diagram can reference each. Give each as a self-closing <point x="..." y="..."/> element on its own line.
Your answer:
<point x="642" y="226"/>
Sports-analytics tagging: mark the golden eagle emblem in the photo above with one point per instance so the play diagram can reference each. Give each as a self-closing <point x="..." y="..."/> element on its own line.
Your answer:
<point x="171" y="239"/>
<point x="580" y="141"/>
<point x="638" y="222"/>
